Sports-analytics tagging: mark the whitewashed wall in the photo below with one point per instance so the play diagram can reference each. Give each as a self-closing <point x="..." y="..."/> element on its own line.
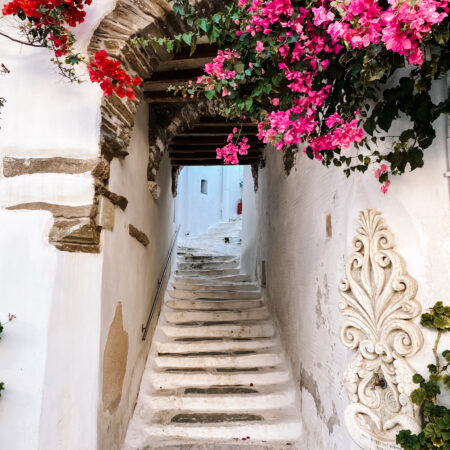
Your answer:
<point x="195" y="211"/>
<point x="131" y="271"/>
<point x="304" y="266"/>
<point x="49" y="356"/>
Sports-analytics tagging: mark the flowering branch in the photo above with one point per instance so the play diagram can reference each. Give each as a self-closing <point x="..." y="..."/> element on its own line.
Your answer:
<point x="314" y="74"/>
<point x="46" y="24"/>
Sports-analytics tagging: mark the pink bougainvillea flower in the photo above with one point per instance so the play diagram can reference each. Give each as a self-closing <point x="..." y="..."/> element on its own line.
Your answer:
<point x="384" y="188"/>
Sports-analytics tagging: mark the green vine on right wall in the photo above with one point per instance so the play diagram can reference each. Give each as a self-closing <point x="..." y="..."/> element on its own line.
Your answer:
<point x="435" y="432"/>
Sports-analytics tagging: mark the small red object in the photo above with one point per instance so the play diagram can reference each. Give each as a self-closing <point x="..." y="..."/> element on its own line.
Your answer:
<point x="239" y="208"/>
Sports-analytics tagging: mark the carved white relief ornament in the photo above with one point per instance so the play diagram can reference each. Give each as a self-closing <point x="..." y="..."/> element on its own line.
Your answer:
<point x="379" y="305"/>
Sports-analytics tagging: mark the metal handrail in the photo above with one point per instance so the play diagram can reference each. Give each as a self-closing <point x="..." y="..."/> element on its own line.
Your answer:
<point x="160" y="283"/>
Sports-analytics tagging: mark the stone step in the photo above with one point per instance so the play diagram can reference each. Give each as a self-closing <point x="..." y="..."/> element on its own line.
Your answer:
<point x="210" y="286"/>
<point x="205" y="258"/>
<point x="255" y="330"/>
<point x="217" y="265"/>
<point x="207" y="272"/>
<point x="215" y="316"/>
<point x="229" y="345"/>
<point x="267" y="397"/>
<point x="174" y="380"/>
<point x="236" y="361"/>
<point x="205" y="294"/>
<point x="214" y="305"/>
<point x="279" y="432"/>
<point x="236" y="278"/>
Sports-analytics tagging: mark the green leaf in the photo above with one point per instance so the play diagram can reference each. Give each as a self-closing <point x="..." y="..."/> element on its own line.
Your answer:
<point x="369" y="125"/>
<point x="187" y="37"/>
<point x="418" y="396"/>
<point x="417" y="378"/>
<point x="239" y="67"/>
<point x="209" y="94"/>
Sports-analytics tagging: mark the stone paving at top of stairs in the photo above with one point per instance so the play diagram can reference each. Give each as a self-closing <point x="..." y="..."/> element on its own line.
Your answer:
<point x="216" y="377"/>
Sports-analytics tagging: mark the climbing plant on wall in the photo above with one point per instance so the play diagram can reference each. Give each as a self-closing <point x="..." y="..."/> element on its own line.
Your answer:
<point x="435" y="418"/>
<point x="330" y="76"/>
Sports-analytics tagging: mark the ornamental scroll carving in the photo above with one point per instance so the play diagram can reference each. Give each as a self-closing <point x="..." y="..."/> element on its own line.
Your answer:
<point x="379" y="305"/>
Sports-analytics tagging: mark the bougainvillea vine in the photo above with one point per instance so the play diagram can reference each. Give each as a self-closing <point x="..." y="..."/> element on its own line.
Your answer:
<point x="327" y="76"/>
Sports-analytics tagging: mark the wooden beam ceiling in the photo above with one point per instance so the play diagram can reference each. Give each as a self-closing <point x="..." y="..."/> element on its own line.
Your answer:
<point x="196" y="146"/>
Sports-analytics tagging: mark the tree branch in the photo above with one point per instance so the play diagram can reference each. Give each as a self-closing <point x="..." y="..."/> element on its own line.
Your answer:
<point x="20" y="42"/>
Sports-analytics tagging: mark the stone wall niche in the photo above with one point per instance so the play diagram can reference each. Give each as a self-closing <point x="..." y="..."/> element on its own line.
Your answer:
<point x="379" y="305"/>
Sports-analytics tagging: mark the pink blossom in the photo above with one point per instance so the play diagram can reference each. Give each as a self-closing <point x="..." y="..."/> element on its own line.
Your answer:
<point x="382" y="169"/>
<point x="321" y="15"/>
<point x="384" y="188"/>
<point x="331" y="121"/>
<point x="259" y="46"/>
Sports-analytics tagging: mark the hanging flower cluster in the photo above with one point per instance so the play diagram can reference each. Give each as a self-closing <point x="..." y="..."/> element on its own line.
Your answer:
<point x="230" y="151"/>
<point x="311" y="74"/>
<point x="111" y="77"/>
<point x="47" y="23"/>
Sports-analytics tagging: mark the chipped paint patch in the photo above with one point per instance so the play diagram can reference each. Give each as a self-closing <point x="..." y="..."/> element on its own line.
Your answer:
<point x="308" y="382"/>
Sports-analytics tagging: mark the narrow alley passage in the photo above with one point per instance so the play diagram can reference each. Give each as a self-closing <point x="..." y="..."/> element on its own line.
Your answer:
<point x="216" y="377"/>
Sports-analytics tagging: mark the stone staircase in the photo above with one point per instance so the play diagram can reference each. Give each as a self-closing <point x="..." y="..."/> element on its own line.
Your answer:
<point x="216" y="377"/>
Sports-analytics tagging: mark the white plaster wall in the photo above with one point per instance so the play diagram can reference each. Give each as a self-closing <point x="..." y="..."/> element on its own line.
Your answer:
<point x="70" y="396"/>
<point x="130" y="270"/>
<point x="44" y="114"/>
<point x="27" y="269"/>
<point x="250" y="225"/>
<point x="49" y="354"/>
<point x="196" y="212"/>
<point x="304" y="266"/>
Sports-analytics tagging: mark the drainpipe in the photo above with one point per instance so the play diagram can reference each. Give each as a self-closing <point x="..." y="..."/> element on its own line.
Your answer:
<point x="447" y="146"/>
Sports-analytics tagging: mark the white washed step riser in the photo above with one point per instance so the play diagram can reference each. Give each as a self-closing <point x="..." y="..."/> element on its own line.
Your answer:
<point x="236" y="361"/>
<point x="208" y="265"/>
<point x="205" y="258"/>
<point x="214" y="346"/>
<point x="211" y="316"/>
<point x="234" y="295"/>
<point x="214" y="305"/>
<point x="214" y="403"/>
<point x="216" y="331"/>
<point x="199" y="286"/>
<point x="236" y="278"/>
<point x="281" y="433"/>
<point x="167" y="380"/>
<point x="207" y="272"/>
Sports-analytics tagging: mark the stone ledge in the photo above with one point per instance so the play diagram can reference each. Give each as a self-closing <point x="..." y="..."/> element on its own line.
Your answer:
<point x="116" y="199"/>
<point x="76" y="235"/>
<point x="139" y="235"/>
<point x="68" y="212"/>
<point x="13" y="167"/>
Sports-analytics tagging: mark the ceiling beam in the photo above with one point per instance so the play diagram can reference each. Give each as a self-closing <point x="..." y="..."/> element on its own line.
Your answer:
<point x="203" y="148"/>
<point x="210" y="162"/>
<point x="200" y="130"/>
<point x="208" y="140"/>
<point x="208" y="154"/>
<point x="201" y="51"/>
<point x="166" y="97"/>
<point x="174" y="76"/>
